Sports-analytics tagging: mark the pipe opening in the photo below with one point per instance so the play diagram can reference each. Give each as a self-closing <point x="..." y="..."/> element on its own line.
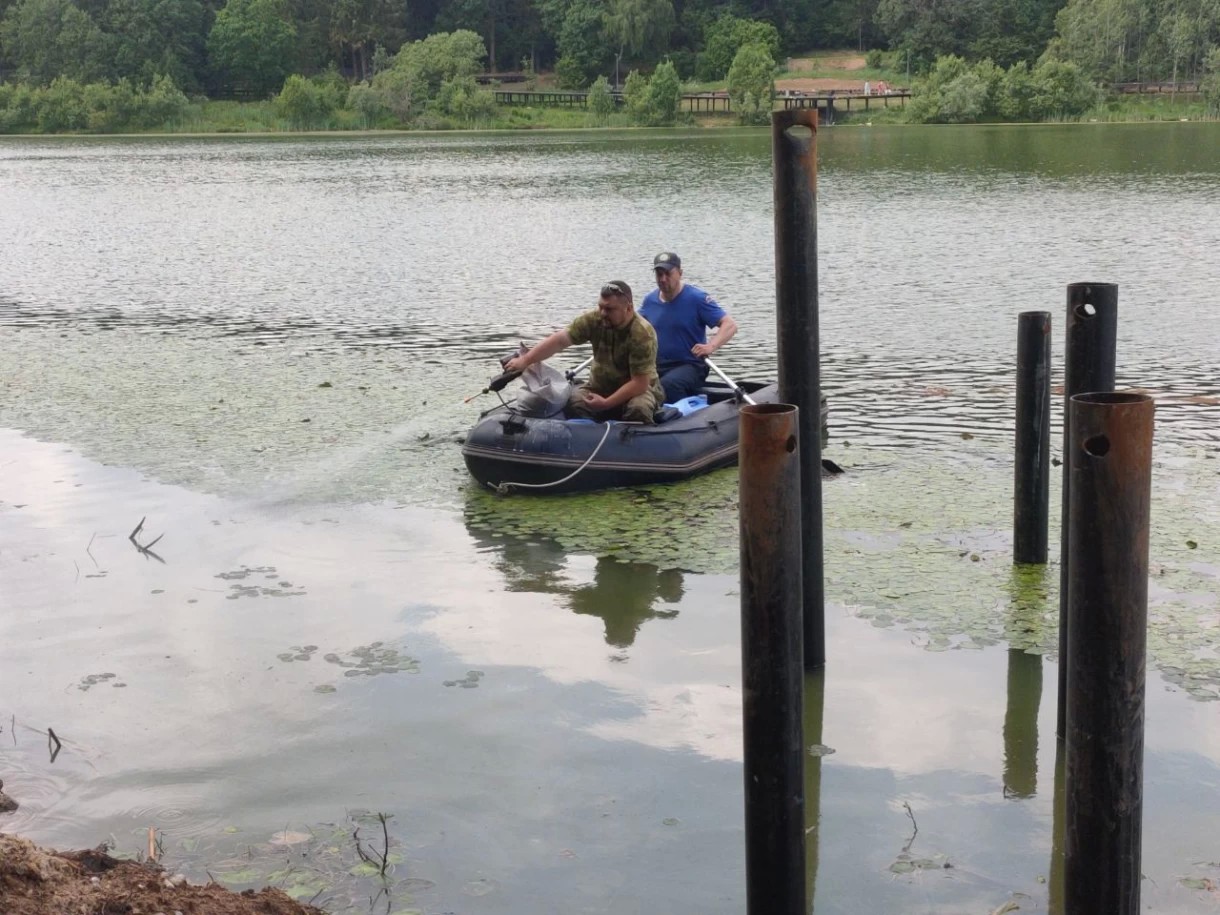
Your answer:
<point x="790" y="445"/>
<point x="1085" y="310"/>
<point x="764" y="409"/>
<point x="1097" y="445"/>
<point x="1112" y="398"/>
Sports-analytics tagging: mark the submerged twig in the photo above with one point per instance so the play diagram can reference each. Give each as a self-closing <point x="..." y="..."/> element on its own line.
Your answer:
<point x="359" y="847"/>
<point x="385" y="851"/>
<point x="58" y="746"/>
<point x="911" y="814"/>
<point x="145" y="548"/>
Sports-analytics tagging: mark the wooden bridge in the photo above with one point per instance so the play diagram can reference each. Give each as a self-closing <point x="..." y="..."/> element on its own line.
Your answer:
<point x="1166" y="88"/>
<point x="717" y="102"/>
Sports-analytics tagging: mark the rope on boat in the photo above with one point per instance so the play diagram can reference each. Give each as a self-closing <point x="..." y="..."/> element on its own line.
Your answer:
<point x="503" y="489"/>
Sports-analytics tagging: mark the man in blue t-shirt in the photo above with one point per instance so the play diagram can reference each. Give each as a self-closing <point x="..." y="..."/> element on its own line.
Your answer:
<point x="681" y="315"/>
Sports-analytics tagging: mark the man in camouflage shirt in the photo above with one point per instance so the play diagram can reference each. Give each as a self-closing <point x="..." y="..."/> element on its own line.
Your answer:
<point x="623" y="382"/>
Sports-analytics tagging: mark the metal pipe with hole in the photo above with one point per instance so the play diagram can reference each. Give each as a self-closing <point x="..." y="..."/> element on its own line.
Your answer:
<point x="771" y="669"/>
<point x="1032" y="467"/>
<point x="1108" y="524"/>
<point x="794" y="148"/>
<point x="1088" y="367"/>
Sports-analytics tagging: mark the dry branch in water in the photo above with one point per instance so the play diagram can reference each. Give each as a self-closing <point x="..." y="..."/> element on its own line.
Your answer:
<point x="145" y="548"/>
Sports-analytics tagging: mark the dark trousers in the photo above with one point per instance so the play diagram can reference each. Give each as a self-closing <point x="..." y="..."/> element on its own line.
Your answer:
<point x="681" y="379"/>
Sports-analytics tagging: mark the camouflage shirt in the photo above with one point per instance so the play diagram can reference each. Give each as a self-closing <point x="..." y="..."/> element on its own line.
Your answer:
<point x="618" y="354"/>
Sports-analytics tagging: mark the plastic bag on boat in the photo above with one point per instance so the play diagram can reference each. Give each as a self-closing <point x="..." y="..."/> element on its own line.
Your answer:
<point x="546" y="391"/>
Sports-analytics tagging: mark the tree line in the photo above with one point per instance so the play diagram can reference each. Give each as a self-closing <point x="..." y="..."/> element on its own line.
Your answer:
<point x="403" y="56"/>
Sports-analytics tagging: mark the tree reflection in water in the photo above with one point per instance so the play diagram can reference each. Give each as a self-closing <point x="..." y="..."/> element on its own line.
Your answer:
<point x="624" y="594"/>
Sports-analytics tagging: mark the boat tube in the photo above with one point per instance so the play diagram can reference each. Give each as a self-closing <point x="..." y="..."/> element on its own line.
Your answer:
<point x="526" y="445"/>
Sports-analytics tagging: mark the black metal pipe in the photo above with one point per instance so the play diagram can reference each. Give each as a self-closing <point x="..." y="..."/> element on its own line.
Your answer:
<point x="771" y="671"/>
<point x="794" y="147"/>
<point x="1032" y="474"/>
<point x="1021" y="724"/>
<point x="1091" y="335"/>
<point x="1111" y="469"/>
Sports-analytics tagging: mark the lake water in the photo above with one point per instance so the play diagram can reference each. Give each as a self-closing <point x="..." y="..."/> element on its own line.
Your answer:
<point x="261" y="346"/>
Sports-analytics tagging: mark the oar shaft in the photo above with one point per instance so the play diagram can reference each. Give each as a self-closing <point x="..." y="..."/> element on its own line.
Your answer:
<point x="572" y="373"/>
<point x="729" y="381"/>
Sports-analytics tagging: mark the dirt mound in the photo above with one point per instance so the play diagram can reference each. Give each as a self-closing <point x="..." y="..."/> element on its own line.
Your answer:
<point x="807" y="84"/>
<point x="39" y="881"/>
<point x="846" y="62"/>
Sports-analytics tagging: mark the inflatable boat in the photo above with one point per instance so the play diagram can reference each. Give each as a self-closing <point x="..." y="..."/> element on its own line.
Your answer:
<point x="526" y="445"/>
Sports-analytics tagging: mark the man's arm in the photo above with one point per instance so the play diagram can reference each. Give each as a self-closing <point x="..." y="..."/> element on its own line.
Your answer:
<point x="636" y="386"/>
<point x="545" y="349"/>
<point x="724" y="333"/>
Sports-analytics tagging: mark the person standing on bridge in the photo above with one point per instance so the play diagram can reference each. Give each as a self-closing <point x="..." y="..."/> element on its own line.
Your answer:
<point x="681" y="314"/>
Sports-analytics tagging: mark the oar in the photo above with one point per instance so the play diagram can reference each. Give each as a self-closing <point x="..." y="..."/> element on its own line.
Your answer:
<point x="729" y="381"/>
<point x="571" y="374"/>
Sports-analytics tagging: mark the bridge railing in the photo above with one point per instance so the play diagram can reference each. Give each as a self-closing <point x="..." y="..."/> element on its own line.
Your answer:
<point x="709" y="102"/>
<point x="1166" y="87"/>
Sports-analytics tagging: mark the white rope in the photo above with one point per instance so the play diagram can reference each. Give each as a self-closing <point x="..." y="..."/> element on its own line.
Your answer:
<point x="503" y="489"/>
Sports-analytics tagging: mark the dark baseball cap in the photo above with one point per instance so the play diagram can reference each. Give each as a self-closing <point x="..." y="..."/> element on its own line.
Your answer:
<point x="666" y="260"/>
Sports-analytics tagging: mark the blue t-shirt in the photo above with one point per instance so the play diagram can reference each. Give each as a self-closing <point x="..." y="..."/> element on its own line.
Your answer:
<point x="681" y="322"/>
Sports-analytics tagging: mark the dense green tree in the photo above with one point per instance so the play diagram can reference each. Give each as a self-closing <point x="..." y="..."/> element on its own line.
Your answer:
<point x="635" y="96"/>
<point x="48" y="39"/>
<point x="928" y="29"/>
<point x="664" y="95"/>
<point x="252" y="44"/>
<point x="640" y="28"/>
<point x="421" y="67"/>
<point x="1210" y="83"/>
<point x="358" y="27"/>
<point x="582" y="47"/>
<point x="308" y="104"/>
<point x="601" y="102"/>
<point x="1101" y="36"/>
<point x="954" y="92"/>
<point x="1007" y="31"/>
<point x="1061" y="90"/>
<point x="728" y="35"/>
<point x="157" y="38"/>
<point x="752" y="83"/>
<point x="461" y="98"/>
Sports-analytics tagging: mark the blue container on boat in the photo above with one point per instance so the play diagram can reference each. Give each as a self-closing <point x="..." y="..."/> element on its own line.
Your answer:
<point x="688" y="405"/>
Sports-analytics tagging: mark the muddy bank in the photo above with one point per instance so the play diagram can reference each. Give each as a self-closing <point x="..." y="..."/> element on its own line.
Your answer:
<point x="42" y="881"/>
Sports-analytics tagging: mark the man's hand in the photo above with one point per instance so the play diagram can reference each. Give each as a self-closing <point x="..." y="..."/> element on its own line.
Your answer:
<point x="596" y="402"/>
<point x="703" y="350"/>
<point x="517" y="363"/>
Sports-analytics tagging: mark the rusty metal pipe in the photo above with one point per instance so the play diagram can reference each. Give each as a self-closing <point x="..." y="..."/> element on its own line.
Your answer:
<point x="794" y="148"/>
<point x="1091" y="334"/>
<point x="1108" y="525"/>
<point x="771" y="670"/>
<point x="1032" y="473"/>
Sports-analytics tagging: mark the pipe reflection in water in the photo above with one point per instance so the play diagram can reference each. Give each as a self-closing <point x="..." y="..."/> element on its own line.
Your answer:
<point x="1054" y="905"/>
<point x="624" y="594"/>
<point x="815" y="696"/>
<point x="1029" y="597"/>
<point x="1021" y="724"/>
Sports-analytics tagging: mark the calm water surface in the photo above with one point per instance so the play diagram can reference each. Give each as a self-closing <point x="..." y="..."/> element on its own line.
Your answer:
<point x="262" y="345"/>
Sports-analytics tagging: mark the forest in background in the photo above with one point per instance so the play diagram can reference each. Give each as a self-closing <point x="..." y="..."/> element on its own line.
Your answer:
<point x="111" y="64"/>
